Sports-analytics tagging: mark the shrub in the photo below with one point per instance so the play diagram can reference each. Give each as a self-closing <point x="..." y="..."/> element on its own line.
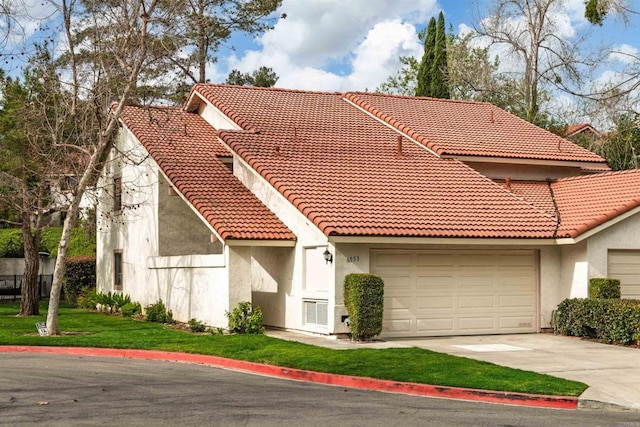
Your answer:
<point x="105" y="302"/>
<point x="131" y="309"/>
<point x="196" y="326"/>
<point x="86" y="299"/>
<point x="158" y="313"/>
<point x="612" y="321"/>
<point x="120" y="300"/>
<point x="244" y="319"/>
<point x="364" y="299"/>
<point x="604" y="288"/>
<point x="79" y="278"/>
<point x="80" y="243"/>
<point x="11" y="245"/>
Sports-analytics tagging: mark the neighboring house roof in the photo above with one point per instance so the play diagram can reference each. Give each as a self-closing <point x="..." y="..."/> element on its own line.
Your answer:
<point x="469" y="128"/>
<point x="186" y="148"/>
<point x="576" y="129"/>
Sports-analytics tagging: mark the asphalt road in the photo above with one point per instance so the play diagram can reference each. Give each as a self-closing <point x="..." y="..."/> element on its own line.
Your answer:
<point x="69" y="390"/>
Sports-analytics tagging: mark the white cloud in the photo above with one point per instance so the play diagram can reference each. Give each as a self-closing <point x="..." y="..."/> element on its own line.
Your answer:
<point x="365" y="37"/>
<point x="625" y="54"/>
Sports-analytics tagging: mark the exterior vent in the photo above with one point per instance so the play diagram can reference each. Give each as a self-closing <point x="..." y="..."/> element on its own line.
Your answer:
<point x="316" y="312"/>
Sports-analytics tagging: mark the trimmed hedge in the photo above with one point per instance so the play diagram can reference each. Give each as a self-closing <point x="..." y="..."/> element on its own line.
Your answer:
<point x="364" y="299"/>
<point x="604" y="288"/>
<point x="79" y="278"/>
<point x="80" y="244"/>
<point x="11" y="243"/>
<point x="612" y="321"/>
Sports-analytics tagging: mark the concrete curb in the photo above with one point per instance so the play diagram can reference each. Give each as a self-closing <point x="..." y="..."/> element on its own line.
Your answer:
<point x="487" y="396"/>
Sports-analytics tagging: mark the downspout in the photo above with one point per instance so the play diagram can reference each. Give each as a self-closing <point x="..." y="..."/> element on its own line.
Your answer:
<point x="555" y="206"/>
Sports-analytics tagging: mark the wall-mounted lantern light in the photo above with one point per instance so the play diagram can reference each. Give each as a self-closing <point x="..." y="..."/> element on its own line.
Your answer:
<point x="327" y="256"/>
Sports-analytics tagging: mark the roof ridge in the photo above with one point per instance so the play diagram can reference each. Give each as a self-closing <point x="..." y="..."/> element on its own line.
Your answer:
<point x="388" y="95"/>
<point x="269" y="89"/>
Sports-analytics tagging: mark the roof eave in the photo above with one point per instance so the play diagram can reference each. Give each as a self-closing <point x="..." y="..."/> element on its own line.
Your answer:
<point x="527" y="161"/>
<point x="485" y="241"/>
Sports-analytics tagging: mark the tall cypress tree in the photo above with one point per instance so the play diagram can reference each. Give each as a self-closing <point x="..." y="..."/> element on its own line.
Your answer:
<point x="439" y="69"/>
<point x="424" y="72"/>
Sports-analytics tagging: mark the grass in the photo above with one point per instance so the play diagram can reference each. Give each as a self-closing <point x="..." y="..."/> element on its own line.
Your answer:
<point x="91" y="329"/>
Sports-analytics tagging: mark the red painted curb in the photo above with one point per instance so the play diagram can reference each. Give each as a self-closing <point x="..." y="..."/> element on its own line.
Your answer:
<point x="508" y="398"/>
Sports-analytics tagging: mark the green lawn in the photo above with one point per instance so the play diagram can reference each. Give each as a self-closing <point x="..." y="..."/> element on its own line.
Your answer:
<point x="91" y="329"/>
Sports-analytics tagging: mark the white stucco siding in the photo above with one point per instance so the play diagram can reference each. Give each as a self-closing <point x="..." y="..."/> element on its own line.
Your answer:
<point x="191" y="286"/>
<point x="285" y="307"/>
<point x="215" y="117"/>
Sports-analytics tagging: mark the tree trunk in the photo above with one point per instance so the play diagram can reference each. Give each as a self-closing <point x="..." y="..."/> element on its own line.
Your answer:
<point x="30" y="291"/>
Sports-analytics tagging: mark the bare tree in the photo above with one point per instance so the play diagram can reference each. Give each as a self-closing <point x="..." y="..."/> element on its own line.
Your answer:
<point x="531" y="35"/>
<point x="105" y="66"/>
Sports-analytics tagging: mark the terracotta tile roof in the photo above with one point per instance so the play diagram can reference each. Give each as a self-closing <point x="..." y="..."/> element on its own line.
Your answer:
<point x="186" y="148"/>
<point x="577" y="128"/>
<point x="588" y="201"/>
<point x="468" y="128"/>
<point x="342" y="170"/>
<point x="537" y="193"/>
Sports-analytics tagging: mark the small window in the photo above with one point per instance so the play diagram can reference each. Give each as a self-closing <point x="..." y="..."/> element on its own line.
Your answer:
<point x="117" y="270"/>
<point x="117" y="194"/>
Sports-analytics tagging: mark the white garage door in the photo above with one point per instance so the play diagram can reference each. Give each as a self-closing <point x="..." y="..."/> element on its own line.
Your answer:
<point x="625" y="266"/>
<point x="431" y="293"/>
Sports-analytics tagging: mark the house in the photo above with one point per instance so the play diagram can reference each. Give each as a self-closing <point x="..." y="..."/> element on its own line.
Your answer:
<point x="478" y="222"/>
<point x="584" y="134"/>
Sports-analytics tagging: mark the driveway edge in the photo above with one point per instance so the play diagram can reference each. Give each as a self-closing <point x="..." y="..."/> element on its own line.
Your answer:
<point x="444" y="392"/>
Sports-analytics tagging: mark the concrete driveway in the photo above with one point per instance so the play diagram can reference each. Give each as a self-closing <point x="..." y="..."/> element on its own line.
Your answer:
<point x="612" y="372"/>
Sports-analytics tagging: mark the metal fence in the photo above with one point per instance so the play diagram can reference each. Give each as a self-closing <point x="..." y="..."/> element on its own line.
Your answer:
<point x="11" y="286"/>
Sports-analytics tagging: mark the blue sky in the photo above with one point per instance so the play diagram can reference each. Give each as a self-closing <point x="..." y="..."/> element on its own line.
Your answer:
<point x="355" y="44"/>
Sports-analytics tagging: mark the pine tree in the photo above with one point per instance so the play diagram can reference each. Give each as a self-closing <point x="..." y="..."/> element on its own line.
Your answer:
<point x="423" y="87"/>
<point x="439" y="70"/>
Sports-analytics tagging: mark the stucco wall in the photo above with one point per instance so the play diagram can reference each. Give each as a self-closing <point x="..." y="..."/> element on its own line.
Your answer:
<point x="180" y="231"/>
<point x="15" y="266"/>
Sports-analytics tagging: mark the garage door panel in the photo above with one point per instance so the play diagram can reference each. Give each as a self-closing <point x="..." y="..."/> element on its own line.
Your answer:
<point x="514" y="259"/>
<point x="398" y="283"/>
<point x="434" y="281"/>
<point x="457" y="292"/>
<point x="435" y="325"/>
<point x="468" y="280"/>
<point x="516" y="301"/>
<point x="396" y="326"/>
<point x="434" y="260"/>
<point x="478" y="324"/>
<point x="401" y="259"/>
<point x="435" y="302"/>
<point x="398" y="303"/>
<point x="474" y="302"/>
<point x="516" y="323"/>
